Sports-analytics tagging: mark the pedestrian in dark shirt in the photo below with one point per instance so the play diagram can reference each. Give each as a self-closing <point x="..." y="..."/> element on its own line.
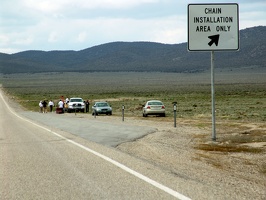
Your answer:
<point x="87" y="103"/>
<point x="44" y="103"/>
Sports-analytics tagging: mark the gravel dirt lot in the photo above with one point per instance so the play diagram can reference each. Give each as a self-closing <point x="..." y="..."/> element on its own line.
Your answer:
<point x="240" y="175"/>
<point x="232" y="170"/>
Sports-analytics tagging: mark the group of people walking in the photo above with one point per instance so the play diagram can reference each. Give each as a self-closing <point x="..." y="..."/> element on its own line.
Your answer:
<point x="43" y="106"/>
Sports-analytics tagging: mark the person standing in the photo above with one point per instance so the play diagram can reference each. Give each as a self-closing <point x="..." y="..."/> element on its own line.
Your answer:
<point x="41" y="107"/>
<point x="51" y="105"/>
<point x="87" y="103"/>
<point x="44" y="103"/>
<point x="61" y="104"/>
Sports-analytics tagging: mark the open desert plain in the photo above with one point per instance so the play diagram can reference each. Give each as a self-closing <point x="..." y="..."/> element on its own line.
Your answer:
<point x="231" y="167"/>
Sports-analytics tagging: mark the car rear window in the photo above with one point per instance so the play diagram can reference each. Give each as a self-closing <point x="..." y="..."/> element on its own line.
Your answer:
<point x="75" y="100"/>
<point x="155" y="103"/>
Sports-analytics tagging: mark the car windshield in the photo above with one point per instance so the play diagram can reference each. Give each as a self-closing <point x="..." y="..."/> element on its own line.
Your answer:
<point x="75" y="100"/>
<point x="155" y="103"/>
<point x="102" y="104"/>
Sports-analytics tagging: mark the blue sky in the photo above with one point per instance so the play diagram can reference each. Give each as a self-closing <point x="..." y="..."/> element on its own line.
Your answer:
<point x="80" y="24"/>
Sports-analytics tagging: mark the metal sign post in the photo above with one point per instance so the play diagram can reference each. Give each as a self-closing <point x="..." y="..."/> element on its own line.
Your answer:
<point x="123" y="112"/>
<point x="174" y="113"/>
<point x="213" y="27"/>
<point x="213" y="97"/>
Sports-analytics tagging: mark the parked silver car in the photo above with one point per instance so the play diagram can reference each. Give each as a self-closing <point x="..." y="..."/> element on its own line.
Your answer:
<point x="101" y="108"/>
<point x="153" y="107"/>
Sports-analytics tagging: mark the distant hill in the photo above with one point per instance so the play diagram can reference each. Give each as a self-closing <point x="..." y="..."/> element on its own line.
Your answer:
<point x="139" y="56"/>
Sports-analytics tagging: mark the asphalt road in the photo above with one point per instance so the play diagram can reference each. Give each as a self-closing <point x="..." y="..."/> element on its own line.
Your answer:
<point x="47" y="162"/>
<point x="106" y="133"/>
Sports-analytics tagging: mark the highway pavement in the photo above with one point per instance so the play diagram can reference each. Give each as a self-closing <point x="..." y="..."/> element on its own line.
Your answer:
<point x="46" y="161"/>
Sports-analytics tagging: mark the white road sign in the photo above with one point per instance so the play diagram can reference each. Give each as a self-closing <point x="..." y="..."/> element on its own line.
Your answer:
<point x="213" y="27"/>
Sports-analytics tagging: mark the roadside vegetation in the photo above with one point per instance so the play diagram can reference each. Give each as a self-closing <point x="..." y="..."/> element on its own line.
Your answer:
<point x="240" y="100"/>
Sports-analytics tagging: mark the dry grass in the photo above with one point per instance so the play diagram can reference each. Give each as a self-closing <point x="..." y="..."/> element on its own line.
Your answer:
<point x="228" y="148"/>
<point x="236" y="137"/>
<point x="210" y="159"/>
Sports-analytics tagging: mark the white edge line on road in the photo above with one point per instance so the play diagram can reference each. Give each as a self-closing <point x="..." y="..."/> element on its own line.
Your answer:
<point x="121" y="166"/>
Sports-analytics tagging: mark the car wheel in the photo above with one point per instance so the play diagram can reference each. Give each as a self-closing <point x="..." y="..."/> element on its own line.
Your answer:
<point x="144" y="115"/>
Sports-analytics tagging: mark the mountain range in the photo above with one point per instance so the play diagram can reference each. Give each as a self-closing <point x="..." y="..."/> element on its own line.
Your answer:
<point x="139" y="56"/>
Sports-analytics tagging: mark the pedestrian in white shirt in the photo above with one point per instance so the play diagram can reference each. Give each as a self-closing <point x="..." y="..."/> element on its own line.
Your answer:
<point x="41" y="106"/>
<point x="61" y="104"/>
<point x="51" y="105"/>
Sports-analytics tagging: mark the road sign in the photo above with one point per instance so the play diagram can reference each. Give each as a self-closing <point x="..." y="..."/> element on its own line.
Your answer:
<point x="213" y="27"/>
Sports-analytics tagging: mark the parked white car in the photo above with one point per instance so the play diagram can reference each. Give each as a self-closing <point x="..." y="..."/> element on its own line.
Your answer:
<point x="153" y="107"/>
<point x="76" y="104"/>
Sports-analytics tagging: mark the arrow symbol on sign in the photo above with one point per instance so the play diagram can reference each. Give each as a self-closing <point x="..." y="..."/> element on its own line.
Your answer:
<point x="214" y="39"/>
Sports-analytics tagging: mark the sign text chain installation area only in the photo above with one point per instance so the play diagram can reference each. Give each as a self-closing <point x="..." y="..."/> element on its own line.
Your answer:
<point x="213" y="27"/>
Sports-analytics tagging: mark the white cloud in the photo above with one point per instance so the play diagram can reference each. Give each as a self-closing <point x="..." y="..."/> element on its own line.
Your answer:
<point x="252" y="18"/>
<point x="23" y="41"/>
<point x="82" y="36"/>
<point x="4" y="39"/>
<point x="45" y="6"/>
<point x="170" y="30"/>
<point x="165" y="30"/>
<point x="50" y="6"/>
<point x="75" y="25"/>
<point x="53" y="37"/>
